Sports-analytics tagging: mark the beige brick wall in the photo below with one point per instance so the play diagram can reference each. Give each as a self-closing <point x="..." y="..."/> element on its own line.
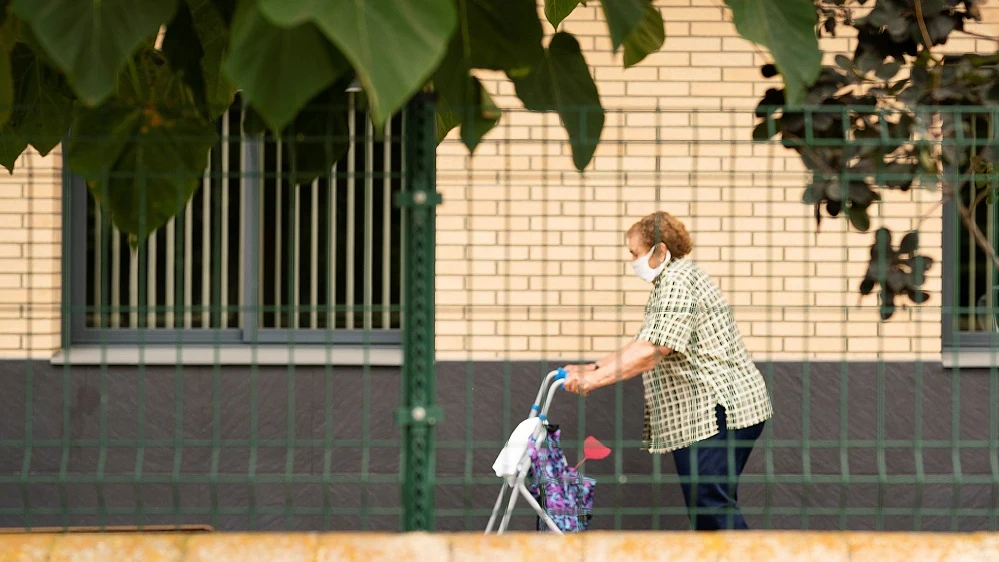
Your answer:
<point x="30" y="256"/>
<point x="530" y="252"/>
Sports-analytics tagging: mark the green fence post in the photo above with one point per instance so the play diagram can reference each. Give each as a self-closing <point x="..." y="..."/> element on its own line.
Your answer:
<point x="419" y="412"/>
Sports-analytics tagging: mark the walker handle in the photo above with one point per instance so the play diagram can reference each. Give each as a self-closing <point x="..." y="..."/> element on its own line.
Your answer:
<point x="551" y="380"/>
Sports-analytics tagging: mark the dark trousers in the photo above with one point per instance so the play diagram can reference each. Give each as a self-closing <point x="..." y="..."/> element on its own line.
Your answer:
<point x="716" y="463"/>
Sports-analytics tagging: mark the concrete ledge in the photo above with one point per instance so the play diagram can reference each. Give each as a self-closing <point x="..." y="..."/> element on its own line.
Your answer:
<point x="773" y="546"/>
<point x="970" y="358"/>
<point x="229" y="355"/>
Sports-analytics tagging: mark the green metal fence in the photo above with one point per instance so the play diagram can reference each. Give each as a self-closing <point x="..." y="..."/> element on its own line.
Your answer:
<point x="351" y="353"/>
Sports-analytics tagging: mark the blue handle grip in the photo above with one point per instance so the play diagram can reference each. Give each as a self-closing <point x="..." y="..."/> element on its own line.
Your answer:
<point x="562" y="373"/>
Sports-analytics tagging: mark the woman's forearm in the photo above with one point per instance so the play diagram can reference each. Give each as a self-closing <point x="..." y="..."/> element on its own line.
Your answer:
<point x="631" y="360"/>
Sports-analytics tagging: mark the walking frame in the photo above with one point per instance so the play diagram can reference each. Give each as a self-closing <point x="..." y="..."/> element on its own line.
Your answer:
<point x="514" y="462"/>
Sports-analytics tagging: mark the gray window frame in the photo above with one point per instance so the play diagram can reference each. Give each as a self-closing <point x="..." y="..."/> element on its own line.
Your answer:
<point x="75" y="286"/>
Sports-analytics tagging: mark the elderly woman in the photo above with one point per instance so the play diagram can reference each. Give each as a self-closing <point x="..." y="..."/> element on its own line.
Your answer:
<point x="705" y="400"/>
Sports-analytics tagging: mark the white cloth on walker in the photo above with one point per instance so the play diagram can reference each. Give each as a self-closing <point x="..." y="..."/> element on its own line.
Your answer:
<point x="516" y="447"/>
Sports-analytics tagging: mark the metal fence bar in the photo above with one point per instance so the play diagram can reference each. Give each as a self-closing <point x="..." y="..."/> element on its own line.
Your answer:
<point x="351" y="207"/>
<point x="224" y="255"/>
<point x="294" y="231"/>
<point x="152" y="301"/>
<point x="188" y="301"/>
<point x="170" y="273"/>
<point x="243" y="241"/>
<point x="115" y="307"/>
<point x="314" y="257"/>
<point x="419" y="412"/>
<point x="133" y="288"/>
<point x="278" y="233"/>
<point x="98" y="277"/>
<point x="369" y="222"/>
<point x="387" y="227"/>
<point x="206" y="248"/>
<point x="331" y="321"/>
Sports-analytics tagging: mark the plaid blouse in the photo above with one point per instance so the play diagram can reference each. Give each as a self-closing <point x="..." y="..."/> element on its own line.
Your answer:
<point x="709" y="365"/>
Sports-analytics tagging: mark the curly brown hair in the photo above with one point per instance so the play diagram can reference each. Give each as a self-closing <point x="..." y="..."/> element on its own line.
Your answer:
<point x="663" y="227"/>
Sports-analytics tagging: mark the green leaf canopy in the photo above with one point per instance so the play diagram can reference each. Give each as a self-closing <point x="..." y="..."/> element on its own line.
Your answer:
<point x="393" y="46"/>
<point x="92" y="40"/>
<point x="561" y="82"/>
<point x="787" y="29"/>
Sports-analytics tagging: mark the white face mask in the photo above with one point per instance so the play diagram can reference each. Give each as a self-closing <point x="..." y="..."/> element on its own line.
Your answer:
<point x="642" y="269"/>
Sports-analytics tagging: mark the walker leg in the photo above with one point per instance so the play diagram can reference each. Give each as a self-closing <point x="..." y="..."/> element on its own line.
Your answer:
<point x="509" y="508"/>
<point x="496" y="508"/>
<point x="537" y="507"/>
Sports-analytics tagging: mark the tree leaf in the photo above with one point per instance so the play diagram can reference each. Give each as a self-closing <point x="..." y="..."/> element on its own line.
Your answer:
<point x="859" y="218"/>
<point x="446" y="119"/>
<point x="155" y="176"/>
<point x="888" y="310"/>
<point x="498" y="34"/>
<point x="645" y="39"/>
<point x="393" y="46"/>
<point x="253" y="123"/>
<point x="909" y="243"/>
<point x="142" y="166"/>
<point x="213" y="32"/>
<point x="318" y="137"/>
<point x="939" y="28"/>
<point x="477" y="114"/>
<point x="492" y="34"/>
<point x="3" y="20"/>
<point x="99" y="138"/>
<point x="561" y="82"/>
<point x="623" y="17"/>
<point x="278" y="69"/>
<point x="91" y="41"/>
<point x="6" y="87"/>
<point x="888" y="70"/>
<point x="142" y="161"/>
<point x="44" y="101"/>
<point x="196" y="43"/>
<point x="761" y="133"/>
<point x="558" y="10"/>
<point x="226" y="9"/>
<point x="462" y="100"/>
<point x="787" y="29"/>
<point x="11" y="147"/>
<point x="182" y="48"/>
<point x="867" y="285"/>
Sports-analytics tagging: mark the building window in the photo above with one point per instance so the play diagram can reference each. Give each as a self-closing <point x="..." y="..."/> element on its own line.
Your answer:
<point x="253" y="258"/>
<point x="971" y="282"/>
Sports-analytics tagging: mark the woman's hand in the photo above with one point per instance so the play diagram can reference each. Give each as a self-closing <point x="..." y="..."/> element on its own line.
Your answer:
<point x="575" y="383"/>
<point x="575" y="380"/>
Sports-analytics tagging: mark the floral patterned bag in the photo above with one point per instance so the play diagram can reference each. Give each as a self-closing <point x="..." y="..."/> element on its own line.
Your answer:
<point x="563" y="493"/>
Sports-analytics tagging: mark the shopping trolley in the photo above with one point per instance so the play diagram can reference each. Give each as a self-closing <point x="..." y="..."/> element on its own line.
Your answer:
<point x="562" y="499"/>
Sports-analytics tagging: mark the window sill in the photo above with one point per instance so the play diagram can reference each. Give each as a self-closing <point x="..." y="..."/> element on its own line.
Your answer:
<point x="230" y="355"/>
<point x="968" y="358"/>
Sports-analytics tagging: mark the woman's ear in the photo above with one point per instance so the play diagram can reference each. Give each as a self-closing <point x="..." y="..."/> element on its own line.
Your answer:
<point x="662" y="250"/>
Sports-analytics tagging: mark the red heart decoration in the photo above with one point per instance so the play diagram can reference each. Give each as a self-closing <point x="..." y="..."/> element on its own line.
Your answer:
<point x="594" y="449"/>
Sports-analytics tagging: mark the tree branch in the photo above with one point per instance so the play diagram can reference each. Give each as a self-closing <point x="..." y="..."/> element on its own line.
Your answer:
<point x="980" y="35"/>
<point x="922" y="27"/>
<point x="948" y="191"/>
<point x="929" y="212"/>
<point x="969" y="222"/>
